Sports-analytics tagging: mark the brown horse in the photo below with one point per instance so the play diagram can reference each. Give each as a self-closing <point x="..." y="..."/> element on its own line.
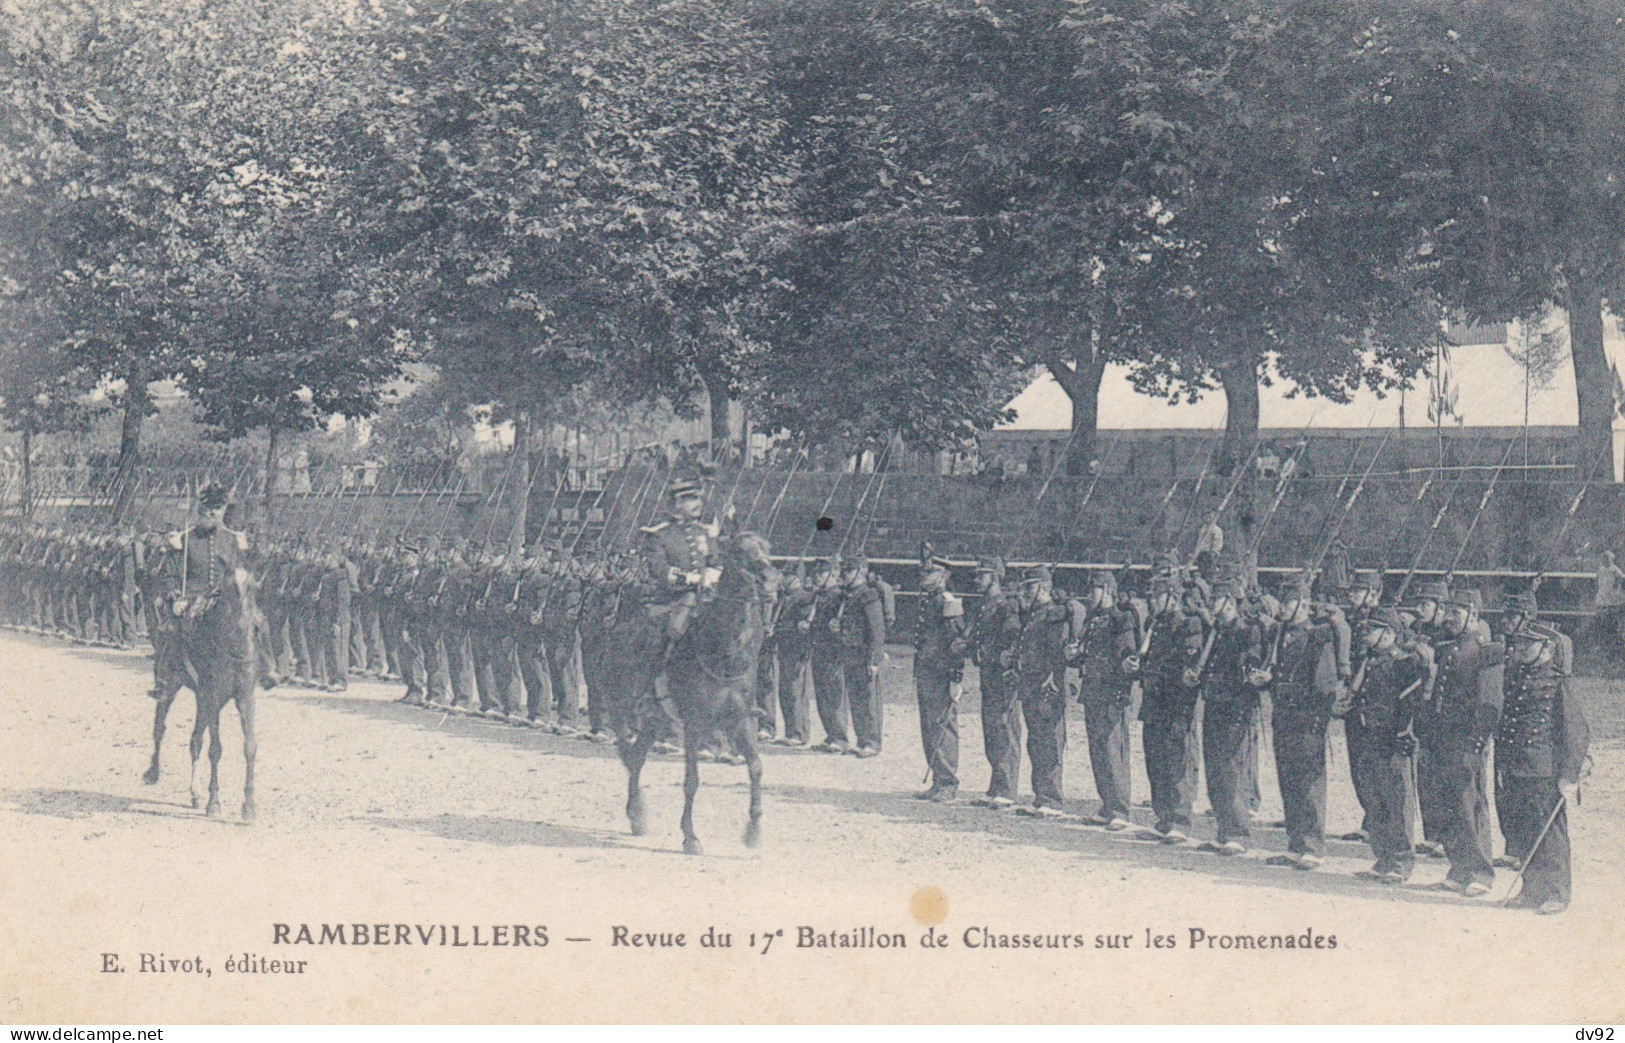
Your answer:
<point x="224" y="667"/>
<point x="710" y="677"/>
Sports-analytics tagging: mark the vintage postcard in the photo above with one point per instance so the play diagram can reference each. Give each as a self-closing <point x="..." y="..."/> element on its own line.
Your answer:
<point x="821" y="512"/>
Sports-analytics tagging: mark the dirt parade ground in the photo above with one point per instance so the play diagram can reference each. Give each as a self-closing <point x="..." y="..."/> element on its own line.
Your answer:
<point x="424" y="842"/>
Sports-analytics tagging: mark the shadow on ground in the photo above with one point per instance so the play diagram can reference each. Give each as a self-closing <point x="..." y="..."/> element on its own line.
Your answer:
<point x="502" y="832"/>
<point x="1096" y="844"/>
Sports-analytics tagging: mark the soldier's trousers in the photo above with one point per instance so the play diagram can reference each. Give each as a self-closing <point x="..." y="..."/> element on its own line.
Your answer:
<point x="1250" y="759"/>
<point x="766" y="691"/>
<point x="340" y="637"/>
<point x="359" y="638"/>
<point x="434" y="663"/>
<point x="863" y="698"/>
<point x="560" y="647"/>
<point x="1360" y="766"/>
<point x="829" y="691"/>
<point x="1044" y="709"/>
<point x="460" y="665"/>
<point x="939" y="724"/>
<point x="1387" y="799"/>
<point x="494" y="672"/>
<point x="597" y="676"/>
<point x="793" y="686"/>
<point x="414" y="667"/>
<point x="1453" y="776"/>
<point x="1523" y="805"/>
<point x="1171" y="753"/>
<point x="1435" y="808"/>
<point x="392" y="624"/>
<point x="1300" y="768"/>
<point x="1001" y="732"/>
<point x="299" y="641"/>
<point x="532" y="658"/>
<point x="1227" y="727"/>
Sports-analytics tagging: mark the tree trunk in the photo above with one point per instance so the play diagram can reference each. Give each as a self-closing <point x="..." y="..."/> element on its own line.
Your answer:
<point x="270" y="477"/>
<point x="1240" y="383"/>
<point x="137" y="399"/>
<point x="1593" y="380"/>
<point x="1080" y="377"/>
<point x="1082" y="386"/>
<point x="28" y="472"/>
<point x="721" y="436"/>
<point x="521" y="446"/>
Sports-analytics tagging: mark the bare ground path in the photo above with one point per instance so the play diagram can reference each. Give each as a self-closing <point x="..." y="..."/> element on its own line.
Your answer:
<point x="375" y="813"/>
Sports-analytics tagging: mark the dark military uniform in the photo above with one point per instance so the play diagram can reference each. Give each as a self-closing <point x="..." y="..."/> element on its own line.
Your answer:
<point x="996" y="632"/>
<point x="824" y="654"/>
<point x="860" y="625"/>
<point x="940" y="644"/>
<point x="1047" y="631"/>
<point x="1168" y="713"/>
<point x="1310" y="663"/>
<point x="791" y="647"/>
<point x="1229" y="705"/>
<point x="1111" y="634"/>
<point x="1541" y="741"/>
<point x="1455" y="729"/>
<point x="1389" y="686"/>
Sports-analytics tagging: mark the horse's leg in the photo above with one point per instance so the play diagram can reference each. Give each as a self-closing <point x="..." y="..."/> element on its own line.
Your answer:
<point x="213" y="809"/>
<point x="634" y="751"/>
<point x="200" y="724"/>
<point x="745" y="740"/>
<point x="245" y="712"/>
<point x="160" y="714"/>
<point x="693" y="737"/>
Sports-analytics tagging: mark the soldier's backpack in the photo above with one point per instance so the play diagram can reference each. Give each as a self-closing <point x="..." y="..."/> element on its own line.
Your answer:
<point x="888" y="602"/>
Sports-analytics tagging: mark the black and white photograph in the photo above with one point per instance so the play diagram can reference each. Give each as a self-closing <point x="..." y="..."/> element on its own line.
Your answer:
<point x="804" y="512"/>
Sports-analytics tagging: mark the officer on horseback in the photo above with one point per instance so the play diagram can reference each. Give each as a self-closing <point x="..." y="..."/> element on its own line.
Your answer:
<point x="679" y="553"/>
<point x="196" y="561"/>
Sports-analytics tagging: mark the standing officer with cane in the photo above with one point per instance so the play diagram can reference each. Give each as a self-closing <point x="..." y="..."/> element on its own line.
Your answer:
<point x="1540" y="753"/>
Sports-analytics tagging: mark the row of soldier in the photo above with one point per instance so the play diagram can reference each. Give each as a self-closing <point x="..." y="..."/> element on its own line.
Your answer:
<point x="1423" y="690"/>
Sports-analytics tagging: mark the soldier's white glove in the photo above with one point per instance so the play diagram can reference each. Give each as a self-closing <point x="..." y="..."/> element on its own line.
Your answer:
<point x="179" y="606"/>
<point x="1569" y="790"/>
<point x="692" y="579"/>
<point x="709" y="577"/>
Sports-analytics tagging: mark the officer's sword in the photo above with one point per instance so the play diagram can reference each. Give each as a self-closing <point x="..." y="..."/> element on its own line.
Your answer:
<point x="1512" y="889"/>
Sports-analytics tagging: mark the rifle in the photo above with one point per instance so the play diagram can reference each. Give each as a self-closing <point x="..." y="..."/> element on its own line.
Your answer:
<point x="778" y="501"/>
<point x="1043" y="490"/>
<point x="1348" y="507"/>
<point x="496" y="501"/>
<point x="1568" y="517"/>
<point x="413" y="513"/>
<point x="1427" y="538"/>
<point x="1196" y="491"/>
<point x="1489" y="491"/>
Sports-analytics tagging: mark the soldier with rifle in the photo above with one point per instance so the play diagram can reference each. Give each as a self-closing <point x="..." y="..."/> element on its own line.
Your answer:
<point x="824" y="654"/>
<point x="1306" y="672"/>
<point x="859" y="624"/>
<point x="1393" y="680"/>
<point x="1455" y="730"/>
<point x="1170" y="691"/>
<point x="941" y="641"/>
<point x="1049" y="630"/>
<point x="1234" y="646"/>
<point x="993" y="637"/>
